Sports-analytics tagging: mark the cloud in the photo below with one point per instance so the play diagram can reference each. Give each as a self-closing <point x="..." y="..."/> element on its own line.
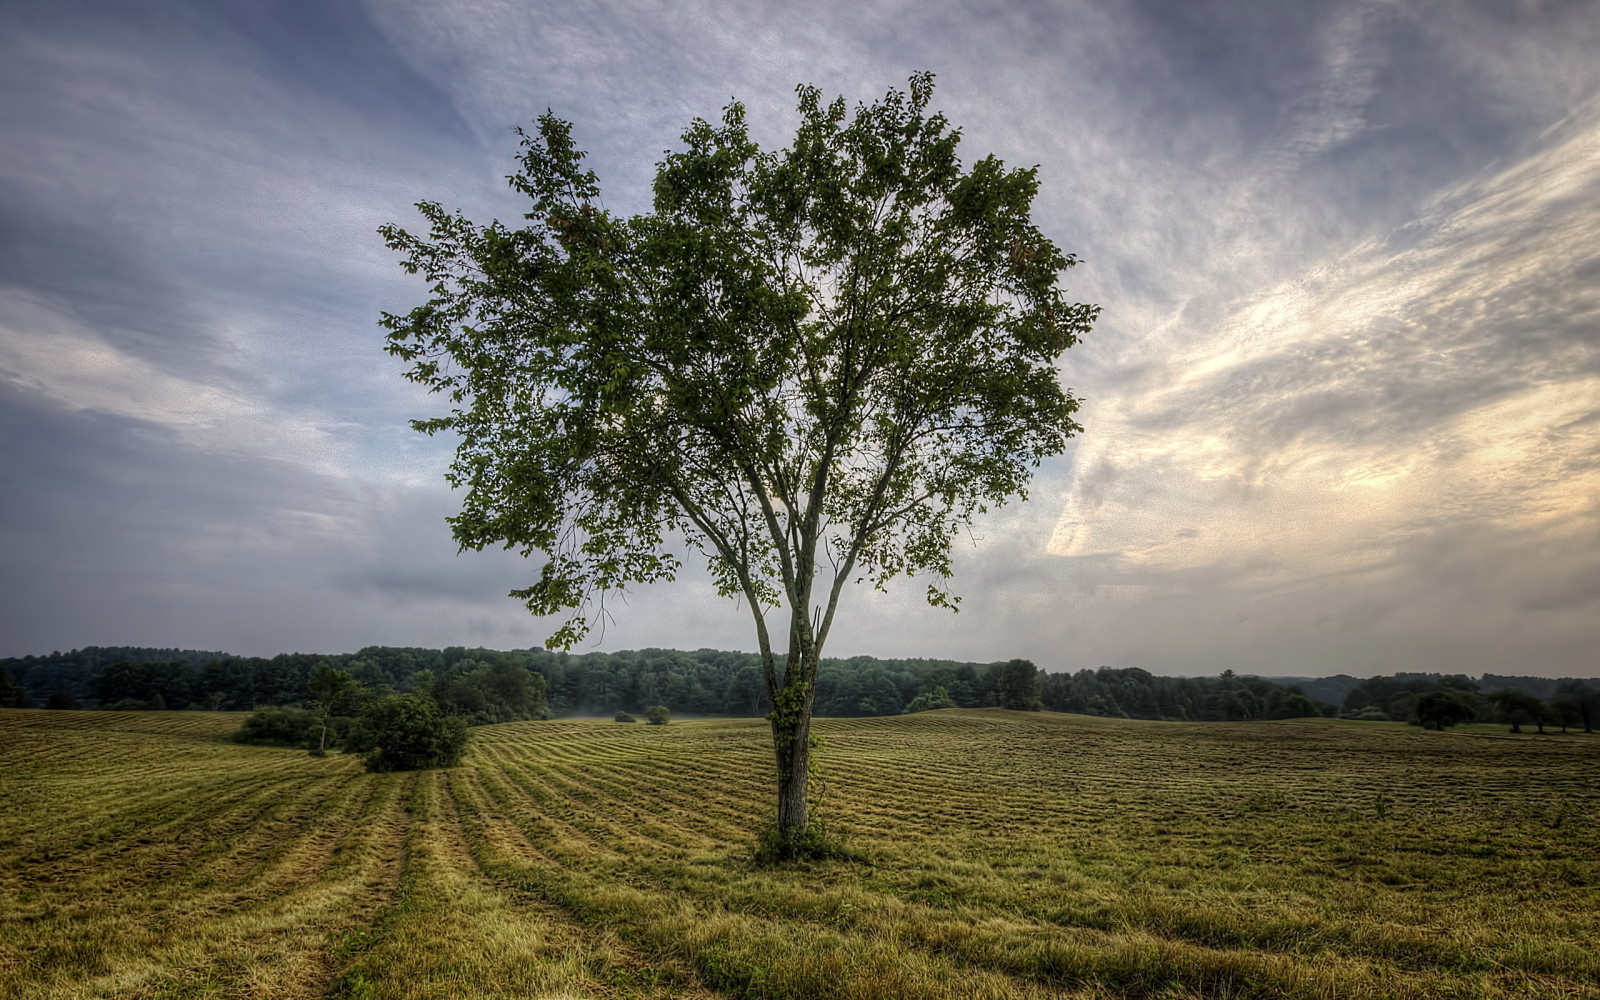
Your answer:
<point x="1340" y="404"/>
<point x="1441" y="383"/>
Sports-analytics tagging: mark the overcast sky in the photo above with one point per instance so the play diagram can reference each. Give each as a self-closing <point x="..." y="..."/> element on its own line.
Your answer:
<point x="1343" y="405"/>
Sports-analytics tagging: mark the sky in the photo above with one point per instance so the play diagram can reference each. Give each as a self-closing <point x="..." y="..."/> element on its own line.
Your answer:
<point x="1342" y="407"/>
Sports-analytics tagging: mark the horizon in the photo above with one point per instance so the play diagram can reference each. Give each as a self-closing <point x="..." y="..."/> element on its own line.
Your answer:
<point x="1342" y="408"/>
<point x="740" y="652"/>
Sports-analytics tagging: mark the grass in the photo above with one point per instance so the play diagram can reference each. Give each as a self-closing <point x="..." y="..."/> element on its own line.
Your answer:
<point x="991" y="854"/>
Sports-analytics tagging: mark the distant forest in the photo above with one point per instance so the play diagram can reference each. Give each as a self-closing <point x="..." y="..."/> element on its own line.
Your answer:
<point x="712" y="682"/>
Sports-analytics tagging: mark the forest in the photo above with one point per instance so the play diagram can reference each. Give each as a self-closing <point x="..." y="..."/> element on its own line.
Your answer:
<point x="483" y="686"/>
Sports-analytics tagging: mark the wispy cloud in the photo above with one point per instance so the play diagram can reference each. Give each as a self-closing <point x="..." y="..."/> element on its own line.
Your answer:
<point x="1341" y="405"/>
<point x="1439" y="382"/>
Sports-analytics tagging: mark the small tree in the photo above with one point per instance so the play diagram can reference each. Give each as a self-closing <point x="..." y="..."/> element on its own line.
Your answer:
<point x="334" y="689"/>
<point x="12" y="694"/>
<point x="278" y="727"/>
<point x="1585" y="700"/>
<point x="623" y="717"/>
<point x="1017" y="685"/>
<point x="927" y="701"/>
<point x="657" y="715"/>
<point x="406" y="732"/>
<point x="1297" y="705"/>
<point x="1445" y="707"/>
<point x="814" y="366"/>
<point x="1517" y="707"/>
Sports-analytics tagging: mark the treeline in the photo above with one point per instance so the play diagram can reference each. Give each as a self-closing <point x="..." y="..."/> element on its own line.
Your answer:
<point x="1437" y="701"/>
<point x="489" y="686"/>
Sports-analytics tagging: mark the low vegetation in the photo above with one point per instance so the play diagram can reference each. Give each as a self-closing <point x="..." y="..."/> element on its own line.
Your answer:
<point x="985" y="854"/>
<point x="487" y="686"/>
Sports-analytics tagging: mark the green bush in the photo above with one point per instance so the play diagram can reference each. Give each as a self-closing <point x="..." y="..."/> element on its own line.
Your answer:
<point x="279" y="727"/>
<point x="657" y="715"/>
<point x="819" y="842"/>
<point x="928" y="701"/>
<point x="623" y="717"/>
<point x="407" y="732"/>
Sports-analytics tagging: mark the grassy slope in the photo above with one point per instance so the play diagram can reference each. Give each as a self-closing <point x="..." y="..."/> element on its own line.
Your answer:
<point x="1002" y="854"/>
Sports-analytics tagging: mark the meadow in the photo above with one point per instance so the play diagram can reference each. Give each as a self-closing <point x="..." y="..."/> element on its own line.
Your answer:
<point x="993" y="854"/>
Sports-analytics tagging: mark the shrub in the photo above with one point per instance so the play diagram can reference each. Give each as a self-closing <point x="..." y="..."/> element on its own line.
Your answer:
<point x="407" y="732"/>
<point x="623" y="717"/>
<point x="657" y="715"/>
<point x="819" y="842"/>
<point x="928" y="701"/>
<point x="278" y="727"/>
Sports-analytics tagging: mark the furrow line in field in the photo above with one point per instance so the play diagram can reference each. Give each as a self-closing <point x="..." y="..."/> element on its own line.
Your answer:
<point x="649" y="811"/>
<point x="563" y="839"/>
<point x="145" y="835"/>
<point x="708" y="810"/>
<point x="579" y="806"/>
<point x="274" y="945"/>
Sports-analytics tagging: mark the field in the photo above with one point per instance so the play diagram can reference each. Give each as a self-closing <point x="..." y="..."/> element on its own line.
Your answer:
<point x="998" y="854"/>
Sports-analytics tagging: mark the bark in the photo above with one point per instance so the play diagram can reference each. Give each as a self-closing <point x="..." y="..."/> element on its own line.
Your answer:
<point x="794" y="771"/>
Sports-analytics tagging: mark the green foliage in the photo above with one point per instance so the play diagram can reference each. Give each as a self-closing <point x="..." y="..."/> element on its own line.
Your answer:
<point x="817" y="841"/>
<point x="1517" y="707"/>
<point x="837" y="353"/>
<point x="335" y="690"/>
<point x="501" y="690"/>
<point x="1445" y="707"/>
<point x="1017" y="684"/>
<point x="12" y="694"/>
<point x="1398" y="696"/>
<point x="280" y="727"/>
<point x="713" y="682"/>
<point x="623" y="717"/>
<point x="1296" y="705"/>
<point x="929" y="701"/>
<point x="159" y="685"/>
<point x="658" y="715"/>
<point x="408" y="732"/>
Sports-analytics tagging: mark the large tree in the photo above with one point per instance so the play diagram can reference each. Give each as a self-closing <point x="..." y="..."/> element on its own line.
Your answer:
<point x="814" y="366"/>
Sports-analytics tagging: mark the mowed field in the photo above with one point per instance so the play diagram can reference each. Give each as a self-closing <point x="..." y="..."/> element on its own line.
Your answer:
<point x="999" y="854"/>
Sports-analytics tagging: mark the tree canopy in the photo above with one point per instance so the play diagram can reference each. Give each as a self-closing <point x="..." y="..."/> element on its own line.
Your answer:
<point x="814" y="367"/>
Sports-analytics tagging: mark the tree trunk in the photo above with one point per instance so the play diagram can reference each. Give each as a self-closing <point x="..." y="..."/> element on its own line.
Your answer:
<point x="794" y="772"/>
<point x="791" y="741"/>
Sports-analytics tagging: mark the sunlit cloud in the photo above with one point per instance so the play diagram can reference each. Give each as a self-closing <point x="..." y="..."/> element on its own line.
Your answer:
<point x="1443" y="377"/>
<point x="1341" y="407"/>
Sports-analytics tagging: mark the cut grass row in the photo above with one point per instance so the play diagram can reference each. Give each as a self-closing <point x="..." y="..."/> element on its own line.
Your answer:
<point x="995" y="855"/>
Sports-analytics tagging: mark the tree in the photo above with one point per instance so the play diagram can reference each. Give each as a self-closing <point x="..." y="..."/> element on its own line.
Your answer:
<point x="1297" y="705"/>
<point x="657" y="715"/>
<point x="1576" y="696"/>
<point x="407" y="732"/>
<point x="1445" y="707"/>
<point x="814" y="367"/>
<point x="1517" y="707"/>
<point x="931" y="700"/>
<point x="1017" y="685"/>
<point x="12" y="694"/>
<point x="333" y="689"/>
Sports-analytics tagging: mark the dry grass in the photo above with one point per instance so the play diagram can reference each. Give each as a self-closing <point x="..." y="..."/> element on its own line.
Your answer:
<point x="999" y="855"/>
